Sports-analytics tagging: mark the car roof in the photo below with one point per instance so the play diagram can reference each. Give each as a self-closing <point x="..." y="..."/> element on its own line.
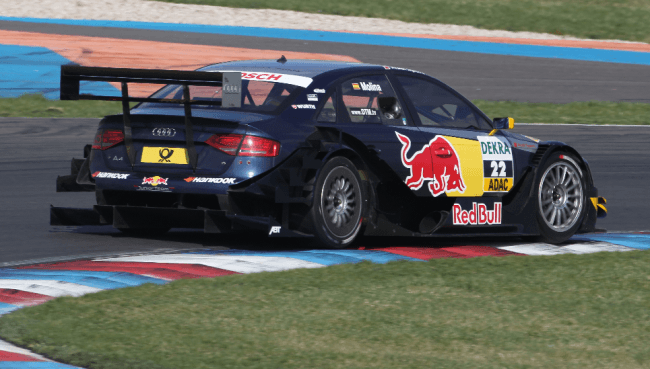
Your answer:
<point x="299" y="67"/>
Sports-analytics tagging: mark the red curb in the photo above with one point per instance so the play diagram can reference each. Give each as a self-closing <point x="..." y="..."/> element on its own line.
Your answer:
<point x="12" y="356"/>
<point x="459" y="252"/>
<point x="120" y="53"/>
<point x="157" y="270"/>
<point x="22" y="298"/>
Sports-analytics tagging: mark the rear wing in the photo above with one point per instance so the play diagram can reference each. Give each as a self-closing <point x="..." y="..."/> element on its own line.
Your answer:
<point x="72" y="75"/>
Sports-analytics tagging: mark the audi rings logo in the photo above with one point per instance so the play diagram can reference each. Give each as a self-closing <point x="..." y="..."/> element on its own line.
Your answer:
<point x="164" y="132"/>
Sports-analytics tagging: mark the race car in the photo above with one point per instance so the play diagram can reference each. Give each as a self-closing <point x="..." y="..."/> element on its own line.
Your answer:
<point x="319" y="149"/>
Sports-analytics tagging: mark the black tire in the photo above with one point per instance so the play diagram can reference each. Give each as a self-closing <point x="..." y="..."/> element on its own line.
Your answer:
<point x="339" y="204"/>
<point x="560" y="198"/>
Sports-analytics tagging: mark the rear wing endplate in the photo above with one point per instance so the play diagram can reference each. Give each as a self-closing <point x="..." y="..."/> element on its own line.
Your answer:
<point x="72" y="75"/>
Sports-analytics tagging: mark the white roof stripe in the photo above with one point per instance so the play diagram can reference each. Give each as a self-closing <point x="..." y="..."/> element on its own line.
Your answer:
<point x="289" y="79"/>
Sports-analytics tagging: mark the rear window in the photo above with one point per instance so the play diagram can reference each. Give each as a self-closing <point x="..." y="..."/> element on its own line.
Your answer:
<point x="257" y="96"/>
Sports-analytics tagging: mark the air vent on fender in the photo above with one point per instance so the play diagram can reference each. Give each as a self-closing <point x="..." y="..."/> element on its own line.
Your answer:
<point x="541" y="150"/>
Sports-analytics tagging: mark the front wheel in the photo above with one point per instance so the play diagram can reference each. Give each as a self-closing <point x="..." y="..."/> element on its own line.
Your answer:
<point x="561" y="201"/>
<point x="338" y="204"/>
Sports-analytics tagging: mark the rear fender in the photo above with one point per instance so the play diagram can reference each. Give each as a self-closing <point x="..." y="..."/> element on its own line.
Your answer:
<point x="388" y="197"/>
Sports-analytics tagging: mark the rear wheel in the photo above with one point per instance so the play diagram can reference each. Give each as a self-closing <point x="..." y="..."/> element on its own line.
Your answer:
<point x="338" y="205"/>
<point x="560" y="198"/>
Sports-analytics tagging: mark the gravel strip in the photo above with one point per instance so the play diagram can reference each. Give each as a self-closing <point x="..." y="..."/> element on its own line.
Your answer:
<point x="153" y="11"/>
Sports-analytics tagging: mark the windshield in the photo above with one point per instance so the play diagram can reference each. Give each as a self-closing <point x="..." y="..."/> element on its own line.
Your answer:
<point x="257" y="96"/>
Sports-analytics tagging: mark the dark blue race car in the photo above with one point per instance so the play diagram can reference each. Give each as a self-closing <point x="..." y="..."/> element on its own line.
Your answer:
<point x="328" y="150"/>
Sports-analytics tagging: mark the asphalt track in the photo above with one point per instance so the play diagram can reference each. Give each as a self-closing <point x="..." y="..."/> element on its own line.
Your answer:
<point x="477" y="76"/>
<point x="34" y="151"/>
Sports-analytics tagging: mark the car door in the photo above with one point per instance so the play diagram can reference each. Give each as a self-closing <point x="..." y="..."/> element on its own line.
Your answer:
<point x="467" y="160"/>
<point x="354" y="109"/>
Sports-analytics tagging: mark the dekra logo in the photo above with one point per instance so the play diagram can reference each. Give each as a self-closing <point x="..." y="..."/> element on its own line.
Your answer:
<point x="494" y="148"/>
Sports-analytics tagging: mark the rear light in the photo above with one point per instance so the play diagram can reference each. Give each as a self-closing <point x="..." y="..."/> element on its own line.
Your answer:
<point x="258" y="146"/>
<point x="107" y="139"/>
<point x="241" y="145"/>
<point x="226" y="143"/>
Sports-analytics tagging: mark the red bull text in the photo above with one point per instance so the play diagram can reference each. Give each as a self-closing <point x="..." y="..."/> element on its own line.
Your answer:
<point x="478" y="215"/>
<point x="437" y="162"/>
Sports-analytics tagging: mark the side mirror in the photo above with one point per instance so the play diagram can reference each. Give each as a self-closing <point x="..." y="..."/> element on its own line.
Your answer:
<point x="504" y="123"/>
<point x="389" y="107"/>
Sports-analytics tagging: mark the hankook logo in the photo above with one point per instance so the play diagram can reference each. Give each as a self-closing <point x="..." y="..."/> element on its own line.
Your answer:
<point x="164" y="132"/>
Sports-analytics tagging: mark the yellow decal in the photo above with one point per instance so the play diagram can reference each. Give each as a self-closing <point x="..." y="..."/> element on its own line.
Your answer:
<point x="164" y="155"/>
<point x="497" y="184"/>
<point x="471" y="164"/>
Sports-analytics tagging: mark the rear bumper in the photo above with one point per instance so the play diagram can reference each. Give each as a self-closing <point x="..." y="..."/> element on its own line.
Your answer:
<point x="140" y="217"/>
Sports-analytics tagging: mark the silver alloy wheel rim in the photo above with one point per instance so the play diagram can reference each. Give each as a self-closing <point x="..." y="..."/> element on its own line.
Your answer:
<point x="560" y="196"/>
<point x="339" y="203"/>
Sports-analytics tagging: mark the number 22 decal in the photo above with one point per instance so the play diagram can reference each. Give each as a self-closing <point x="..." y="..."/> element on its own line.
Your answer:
<point x="495" y="169"/>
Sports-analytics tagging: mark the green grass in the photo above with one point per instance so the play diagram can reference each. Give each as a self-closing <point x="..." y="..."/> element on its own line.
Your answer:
<point x="568" y="311"/>
<point x="37" y="106"/>
<point x="594" y="19"/>
<point x="593" y="112"/>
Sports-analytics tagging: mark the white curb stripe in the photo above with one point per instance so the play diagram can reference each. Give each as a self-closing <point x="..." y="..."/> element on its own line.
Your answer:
<point x="577" y="248"/>
<point x="47" y="287"/>
<point x="236" y="263"/>
<point x="536" y="249"/>
<point x="8" y="347"/>
<point x="588" y="248"/>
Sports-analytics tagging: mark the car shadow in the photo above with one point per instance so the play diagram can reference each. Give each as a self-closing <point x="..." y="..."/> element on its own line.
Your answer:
<point x="259" y="241"/>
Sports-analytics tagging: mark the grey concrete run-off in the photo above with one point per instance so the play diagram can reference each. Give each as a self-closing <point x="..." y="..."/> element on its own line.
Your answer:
<point x="477" y="76"/>
<point x="33" y="151"/>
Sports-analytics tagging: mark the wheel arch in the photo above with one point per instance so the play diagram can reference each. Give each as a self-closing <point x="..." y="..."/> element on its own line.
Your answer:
<point x="554" y="147"/>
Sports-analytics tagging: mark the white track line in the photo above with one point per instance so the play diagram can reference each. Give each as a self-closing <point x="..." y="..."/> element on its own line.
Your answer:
<point x="47" y="287"/>
<point x="577" y="248"/>
<point x="235" y="263"/>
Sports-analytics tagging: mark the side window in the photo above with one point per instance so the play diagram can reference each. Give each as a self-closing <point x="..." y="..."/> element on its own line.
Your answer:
<point x="328" y="112"/>
<point x="361" y="99"/>
<point x="438" y="107"/>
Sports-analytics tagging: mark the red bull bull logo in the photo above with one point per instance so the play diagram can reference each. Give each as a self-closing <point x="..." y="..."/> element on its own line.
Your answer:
<point x="436" y="162"/>
<point x="154" y="181"/>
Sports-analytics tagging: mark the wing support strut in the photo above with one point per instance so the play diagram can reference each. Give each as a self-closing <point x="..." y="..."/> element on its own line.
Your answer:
<point x="189" y="133"/>
<point x="128" y="132"/>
